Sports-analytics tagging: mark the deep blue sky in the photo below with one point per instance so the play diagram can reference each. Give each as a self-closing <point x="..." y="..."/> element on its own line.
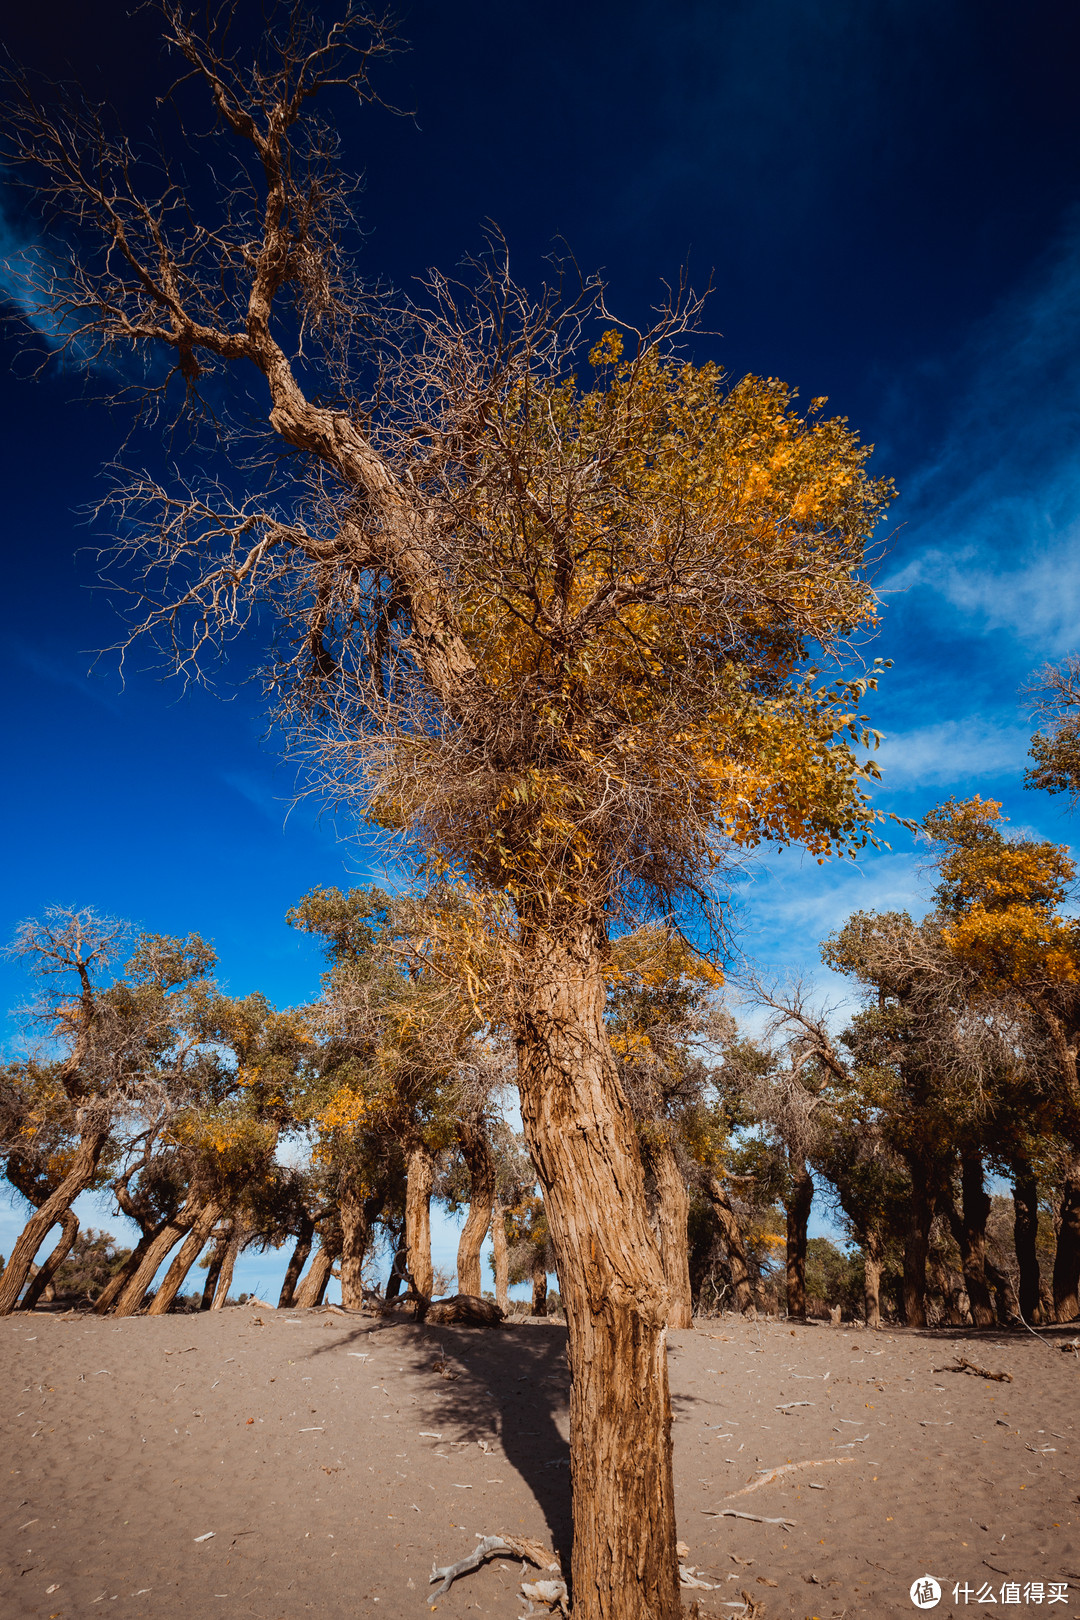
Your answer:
<point x="888" y="200"/>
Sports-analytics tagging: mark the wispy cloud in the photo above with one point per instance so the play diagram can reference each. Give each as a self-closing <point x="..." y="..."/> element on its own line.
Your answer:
<point x="952" y="752"/>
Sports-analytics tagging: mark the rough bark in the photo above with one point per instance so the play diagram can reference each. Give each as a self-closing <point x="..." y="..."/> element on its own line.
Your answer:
<point x="872" y="1280"/>
<point x="221" y="1292"/>
<point x="733" y="1242"/>
<point x="213" y="1270"/>
<point x="298" y="1260"/>
<point x="1025" y="1241"/>
<point x="116" y="1285"/>
<point x="969" y="1230"/>
<point x="83" y="1169"/>
<point x="419" y="1180"/>
<point x="916" y="1251"/>
<point x="190" y="1250"/>
<point x="165" y="1239"/>
<point x="314" y="1284"/>
<point x="1006" y="1304"/>
<point x="500" y="1256"/>
<point x="358" y="1216"/>
<point x="69" y="1224"/>
<point x="477" y="1155"/>
<point x="583" y="1141"/>
<point x="399" y="1266"/>
<point x="798" y="1218"/>
<point x="672" y="1213"/>
<point x="539" y="1285"/>
<point x="1067" y="1258"/>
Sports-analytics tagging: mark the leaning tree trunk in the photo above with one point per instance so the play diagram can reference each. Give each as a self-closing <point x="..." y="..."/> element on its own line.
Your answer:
<point x="296" y="1264"/>
<point x="221" y="1292"/>
<point x="418" y="1184"/>
<point x="116" y="1284"/>
<point x="162" y="1243"/>
<point x="358" y="1216"/>
<point x="539" y="1284"/>
<point x="69" y="1223"/>
<point x="583" y="1141"/>
<point x="672" y="1214"/>
<point x="871" y="1249"/>
<point x="1067" y="1259"/>
<point x="798" y="1219"/>
<point x="500" y="1256"/>
<point x="969" y="1230"/>
<point x="314" y="1284"/>
<point x="1025" y="1241"/>
<point x="917" y="1250"/>
<point x="733" y="1242"/>
<point x="213" y="1270"/>
<point x="190" y="1250"/>
<point x="81" y="1173"/>
<point x="472" y="1139"/>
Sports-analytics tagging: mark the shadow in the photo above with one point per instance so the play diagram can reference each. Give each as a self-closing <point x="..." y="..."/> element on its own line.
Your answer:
<point x="511" y="1382"/>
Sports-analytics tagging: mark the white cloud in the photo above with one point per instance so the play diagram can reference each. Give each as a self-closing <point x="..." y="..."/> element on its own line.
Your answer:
<point x="952" y="752"/>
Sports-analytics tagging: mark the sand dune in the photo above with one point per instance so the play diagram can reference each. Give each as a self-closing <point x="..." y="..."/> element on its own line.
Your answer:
<point x="288" y="1464"/>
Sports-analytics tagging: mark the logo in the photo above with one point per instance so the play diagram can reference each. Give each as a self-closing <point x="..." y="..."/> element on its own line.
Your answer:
<point x="925" y="1593"/>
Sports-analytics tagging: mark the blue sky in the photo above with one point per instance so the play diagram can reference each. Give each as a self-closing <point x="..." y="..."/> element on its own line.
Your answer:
<point x="888" y="200"/>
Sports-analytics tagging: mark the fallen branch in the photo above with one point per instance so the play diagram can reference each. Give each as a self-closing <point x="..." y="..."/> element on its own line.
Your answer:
<point x="534" y="1552"/>
<point x="731" y="1513"/>
<point x="964" y="1366"/>
<point x="787" y="1468"/>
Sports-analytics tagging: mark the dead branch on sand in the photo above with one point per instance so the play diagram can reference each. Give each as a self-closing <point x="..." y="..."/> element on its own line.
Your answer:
<point x="534" y="1552"/>
<point x="787" y="1468"/>
<point x="964" y="1366"/>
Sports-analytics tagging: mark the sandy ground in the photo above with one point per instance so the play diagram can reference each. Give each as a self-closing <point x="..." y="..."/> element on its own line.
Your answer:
<point x="284" y="1464"/>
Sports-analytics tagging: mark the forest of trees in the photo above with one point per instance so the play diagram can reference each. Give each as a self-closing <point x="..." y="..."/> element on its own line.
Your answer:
<point x="575" y="622"/>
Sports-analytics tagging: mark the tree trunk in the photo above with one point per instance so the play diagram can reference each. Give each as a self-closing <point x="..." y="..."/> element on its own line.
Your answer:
<point x="69" y="1223"/>
<point x="164" y="1240"/>
<point x="358" y="1216"/>
<point x="213" y="1270"/>
<point x="916" y="1250"/>
<point x="221" y="1292"/>
<point x="1005" y="1300"/>
<point x="672" y="1212"/>
<point x="583" y="1141"/>
<point x="83" y="1169"/>
<point x="798" y="1217"/>
<point x="314" y="1284"/>
<point x="477" y="1155"/>
<point x="733" y="1242"/>
<point x="116" y="1285"/>
<point x="1025" y="1241"/>
<point x="969" y="1230"/>
<point x="1067" y="1259"/>
<point x="286" y="1298"/>
<point x="399" y="1266"/>
<point x="190" y="1250"/>
<point x="421" y="1175"/>
<point x="500" y="1256"/>
<point x="872" y="1279"/>
<point x="539" y="1285"/>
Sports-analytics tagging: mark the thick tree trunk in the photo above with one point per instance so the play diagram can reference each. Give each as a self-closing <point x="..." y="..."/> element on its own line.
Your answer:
<point x="969" y="1230"/>
<point x="81" y="1173"/>
<point x="69" y="1224"/>
<point x="116" y="1285"/>
<point x="672" y="1213"/>
<point x="583" y="1141"/>
<point x="221" y="1292"/>
<point x="213" y="1270"/>
<point x="314" y="1284"/>
<point x="539" y="1285"/>
<point x="797" y="1210"/>
<point x="733" y="1242"/>
<point x="399" y="1266"/>
<point x="1067" y="1258"/>
<point x="165" y="1239"/>
<point x="356" y="1234"/>
<point x="871" y="1249"/>
<point x="296" y="1264"/>
<point x="419" y="1180"/>
<point x="190" y="1250"/>
<point x="477" y="1155"/>
<point x="500" y="1256"/>
<point x="1025" y="1241"/>
<point x="1005" y="1301"/>
<point x="916" y="1251"/>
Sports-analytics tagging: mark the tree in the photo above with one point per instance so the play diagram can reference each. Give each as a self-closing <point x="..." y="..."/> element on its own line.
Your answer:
<point x="555" y="633"/>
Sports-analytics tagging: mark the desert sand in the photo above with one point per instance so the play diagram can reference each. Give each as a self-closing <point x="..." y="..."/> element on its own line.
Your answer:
<point x="285" y="1464"/>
